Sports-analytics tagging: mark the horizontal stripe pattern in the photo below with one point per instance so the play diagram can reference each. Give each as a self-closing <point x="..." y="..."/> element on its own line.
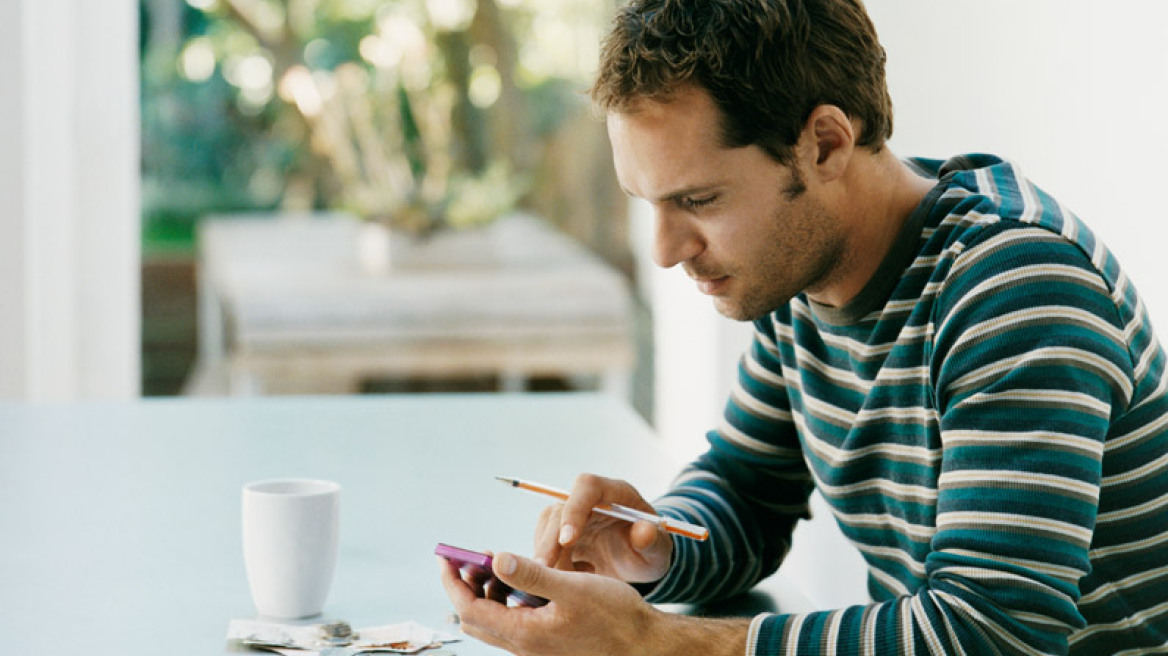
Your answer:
<point x="993" y="437"/>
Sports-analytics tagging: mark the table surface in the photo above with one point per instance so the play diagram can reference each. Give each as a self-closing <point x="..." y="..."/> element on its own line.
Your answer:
<point x="122" y="520"/>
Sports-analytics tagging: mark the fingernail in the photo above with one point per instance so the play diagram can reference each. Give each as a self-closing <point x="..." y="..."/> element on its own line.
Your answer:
<point x="567" y="533"/>
<point x="506" y="564"/>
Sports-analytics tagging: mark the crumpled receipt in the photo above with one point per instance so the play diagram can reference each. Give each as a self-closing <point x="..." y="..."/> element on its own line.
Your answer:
<point x="313" y="639"/>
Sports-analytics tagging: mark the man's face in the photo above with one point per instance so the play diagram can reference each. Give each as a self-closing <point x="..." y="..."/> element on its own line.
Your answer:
<point x="742" y="225"/>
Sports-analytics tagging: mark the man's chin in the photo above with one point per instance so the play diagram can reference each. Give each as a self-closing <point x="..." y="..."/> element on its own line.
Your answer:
<point x="731" y="310"/>
<point x="740" y="311"/>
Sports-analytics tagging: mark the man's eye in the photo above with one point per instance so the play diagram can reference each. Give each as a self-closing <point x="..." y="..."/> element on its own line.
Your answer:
<point x="695" y="203"/>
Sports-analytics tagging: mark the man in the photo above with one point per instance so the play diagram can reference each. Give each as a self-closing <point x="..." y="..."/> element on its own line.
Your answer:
<point x="940" y="348"/>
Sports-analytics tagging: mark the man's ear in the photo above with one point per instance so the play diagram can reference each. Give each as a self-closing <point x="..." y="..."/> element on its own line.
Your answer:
<point x="827" y="143"/>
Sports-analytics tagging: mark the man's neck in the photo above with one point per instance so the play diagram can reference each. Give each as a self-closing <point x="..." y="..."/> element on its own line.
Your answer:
<point x="881" y="193"/>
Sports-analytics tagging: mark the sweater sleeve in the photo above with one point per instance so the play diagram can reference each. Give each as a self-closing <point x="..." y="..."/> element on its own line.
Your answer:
<point x="1029" y="367"/>
<point x="749" y="489"/>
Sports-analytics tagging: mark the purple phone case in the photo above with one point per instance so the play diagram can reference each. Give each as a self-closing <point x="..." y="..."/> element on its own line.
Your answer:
<point x="465" y="558"/>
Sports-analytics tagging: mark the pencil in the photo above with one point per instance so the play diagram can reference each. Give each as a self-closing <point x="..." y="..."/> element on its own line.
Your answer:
<point x="667" y="524"/>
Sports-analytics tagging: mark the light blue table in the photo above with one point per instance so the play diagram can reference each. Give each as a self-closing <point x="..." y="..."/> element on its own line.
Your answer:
<point x="121" y="522"/>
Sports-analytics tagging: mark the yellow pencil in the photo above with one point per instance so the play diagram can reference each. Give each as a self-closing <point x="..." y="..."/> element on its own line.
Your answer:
<point x="667" y="524"/>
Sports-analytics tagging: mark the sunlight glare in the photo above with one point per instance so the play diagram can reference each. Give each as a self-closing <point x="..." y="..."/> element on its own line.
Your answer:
<point x="485" y="86"/>
<point x="197" y="62"/>
<point x="379" y="52"/>
<point x="252" y="100"/>
<point x="298" y="87"/>
<point x="451" y="15"/>
<point x="254" y="72"/>
<point x="401" y="38"/>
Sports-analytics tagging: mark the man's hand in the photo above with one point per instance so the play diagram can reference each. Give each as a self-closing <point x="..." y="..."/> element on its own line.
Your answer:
<point x="571" y="537"/>
<point x="588" y="615"/>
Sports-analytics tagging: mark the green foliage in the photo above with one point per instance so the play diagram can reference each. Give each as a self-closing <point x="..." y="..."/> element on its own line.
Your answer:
<point x="374" y="106"/>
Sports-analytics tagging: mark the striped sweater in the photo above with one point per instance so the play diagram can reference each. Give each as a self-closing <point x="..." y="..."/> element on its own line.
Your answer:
<point x="988" y="421"/>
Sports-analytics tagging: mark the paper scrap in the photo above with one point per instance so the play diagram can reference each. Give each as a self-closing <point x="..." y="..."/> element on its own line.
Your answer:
<point x="308" y="640"/>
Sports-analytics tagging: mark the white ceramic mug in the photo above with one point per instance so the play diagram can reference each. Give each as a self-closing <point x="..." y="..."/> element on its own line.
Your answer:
<point x="290" y="534"/>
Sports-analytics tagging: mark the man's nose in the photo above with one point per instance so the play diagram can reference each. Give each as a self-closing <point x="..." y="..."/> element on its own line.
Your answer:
<point x="674" y="240"/>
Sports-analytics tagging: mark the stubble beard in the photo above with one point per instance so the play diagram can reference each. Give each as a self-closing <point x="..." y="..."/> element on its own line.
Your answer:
<point x="812" y="244"/>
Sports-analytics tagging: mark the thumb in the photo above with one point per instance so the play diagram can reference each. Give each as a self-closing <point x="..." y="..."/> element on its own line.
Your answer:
<point x="529" y="576"/>
<point x="643" y="536"/>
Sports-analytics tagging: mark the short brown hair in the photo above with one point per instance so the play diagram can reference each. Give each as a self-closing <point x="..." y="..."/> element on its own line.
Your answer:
<point x="766" y="63"/>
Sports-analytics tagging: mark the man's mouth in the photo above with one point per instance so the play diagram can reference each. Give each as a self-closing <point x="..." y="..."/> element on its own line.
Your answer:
<point x="711" y="286"/>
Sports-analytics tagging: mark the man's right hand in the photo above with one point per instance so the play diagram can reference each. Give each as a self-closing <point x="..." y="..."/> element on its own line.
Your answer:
<point x="570" y="536"/>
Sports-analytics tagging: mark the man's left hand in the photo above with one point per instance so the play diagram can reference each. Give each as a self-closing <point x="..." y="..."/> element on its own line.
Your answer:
<point x="587" y="614"/>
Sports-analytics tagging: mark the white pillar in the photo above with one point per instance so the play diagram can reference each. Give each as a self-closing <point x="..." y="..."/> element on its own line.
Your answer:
<point x="695" y="349"/>
<point x="69" y="218"/>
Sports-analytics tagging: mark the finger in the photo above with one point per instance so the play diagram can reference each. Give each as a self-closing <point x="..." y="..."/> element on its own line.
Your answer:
<point x="547" y="545"/>
<point x="476" y="577"/>
<point x="483" y="635"/>
<point x="477" y="617"/>
<point x="496" y="590"/>
<point x="460" y="593"/>
<point x="587" y="493"/>
<point x="655" y="547"/>
<point x="527" y="575"/>
<point x="644" y="535"/>
<point x="566" y="561"/>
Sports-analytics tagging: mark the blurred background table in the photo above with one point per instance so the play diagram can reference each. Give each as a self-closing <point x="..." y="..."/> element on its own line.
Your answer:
<point x="122" y="520"/>
<point x="323" y="304"/>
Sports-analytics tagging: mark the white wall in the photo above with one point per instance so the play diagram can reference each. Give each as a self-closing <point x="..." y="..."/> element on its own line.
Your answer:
<point x="12" y="293"/>
<point x="1075" y="91"/>
<point x="69" y="226"/>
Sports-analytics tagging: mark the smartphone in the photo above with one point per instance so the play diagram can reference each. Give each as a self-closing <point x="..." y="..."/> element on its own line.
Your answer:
<point x="480" y="564"/>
